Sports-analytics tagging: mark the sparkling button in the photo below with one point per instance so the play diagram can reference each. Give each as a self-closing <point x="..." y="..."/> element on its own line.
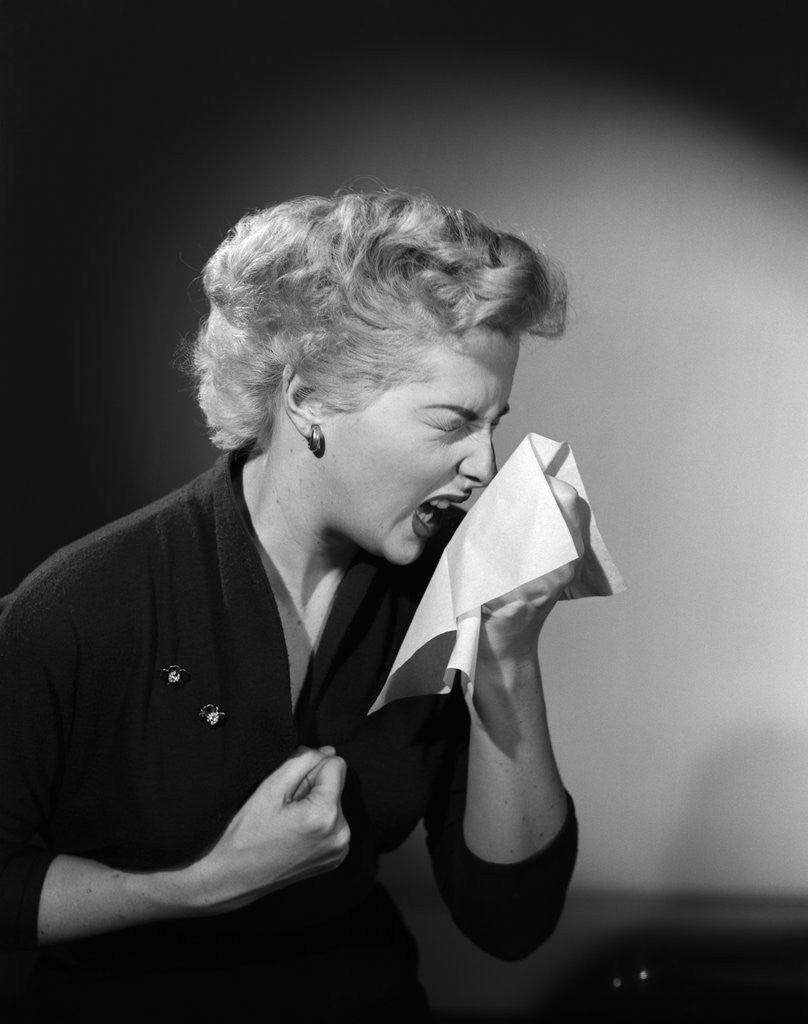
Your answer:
<point x="211" y="715"/>
<point x="175" y="675"/>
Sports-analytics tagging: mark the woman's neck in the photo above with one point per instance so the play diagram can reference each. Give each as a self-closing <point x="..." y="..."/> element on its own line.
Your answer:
<point x="282" y="507"/>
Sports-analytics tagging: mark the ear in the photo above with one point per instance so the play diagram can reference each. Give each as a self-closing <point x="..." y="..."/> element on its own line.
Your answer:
<point x="299" y="404"/>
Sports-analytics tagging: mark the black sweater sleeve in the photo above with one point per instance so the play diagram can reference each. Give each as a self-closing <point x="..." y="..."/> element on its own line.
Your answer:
<point x="36" y="658"/>
<point x="508" y="910"/>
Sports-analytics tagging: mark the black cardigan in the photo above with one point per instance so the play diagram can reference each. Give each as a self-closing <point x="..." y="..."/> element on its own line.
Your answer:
<point x="103" y="756"/>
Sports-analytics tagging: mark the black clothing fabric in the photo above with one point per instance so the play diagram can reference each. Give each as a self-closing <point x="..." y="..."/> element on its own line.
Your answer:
<point x="106" y="751"/>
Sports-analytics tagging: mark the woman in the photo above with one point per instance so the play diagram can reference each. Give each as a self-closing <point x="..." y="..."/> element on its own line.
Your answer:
<point x="186" y="691"/>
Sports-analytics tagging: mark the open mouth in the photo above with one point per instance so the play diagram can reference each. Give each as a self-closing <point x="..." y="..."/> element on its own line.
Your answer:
<point x="429" y="515"/>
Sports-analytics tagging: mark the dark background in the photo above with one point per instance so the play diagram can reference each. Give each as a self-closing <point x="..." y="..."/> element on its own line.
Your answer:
<point x="115" y="121"/>
<point x="113" y="113"/>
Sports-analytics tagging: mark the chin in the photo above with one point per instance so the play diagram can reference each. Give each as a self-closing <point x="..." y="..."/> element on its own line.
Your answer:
<point x="400" y="558"/>
<point x="402" y="553"/>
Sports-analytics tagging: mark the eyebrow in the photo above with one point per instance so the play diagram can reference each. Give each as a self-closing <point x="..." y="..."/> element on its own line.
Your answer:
<point x="468" y="414"/>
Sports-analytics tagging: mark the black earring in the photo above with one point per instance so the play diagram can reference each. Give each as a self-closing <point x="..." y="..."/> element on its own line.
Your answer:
<point x="316" y="441"/>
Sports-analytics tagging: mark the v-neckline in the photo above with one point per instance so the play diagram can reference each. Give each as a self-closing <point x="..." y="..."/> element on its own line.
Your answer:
<point x="348" y="596"/>
<point x="302" y="646"/>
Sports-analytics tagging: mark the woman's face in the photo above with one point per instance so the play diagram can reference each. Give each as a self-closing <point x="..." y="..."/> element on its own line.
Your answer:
<point x="415" y="445"/>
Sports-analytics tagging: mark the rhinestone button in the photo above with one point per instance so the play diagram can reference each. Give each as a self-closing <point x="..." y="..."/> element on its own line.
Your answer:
<point x="175" y="675"/>
<point x="211" y="715"/>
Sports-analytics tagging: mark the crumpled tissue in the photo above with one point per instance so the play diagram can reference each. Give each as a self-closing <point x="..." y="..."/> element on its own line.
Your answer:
<point x="515" y="533"/>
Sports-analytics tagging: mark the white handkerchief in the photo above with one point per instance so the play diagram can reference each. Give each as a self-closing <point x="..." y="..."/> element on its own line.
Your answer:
<point x="515" y="533"/>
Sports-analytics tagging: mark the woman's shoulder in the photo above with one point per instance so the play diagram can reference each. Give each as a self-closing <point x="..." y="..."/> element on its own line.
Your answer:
<point x="119" y="554"/>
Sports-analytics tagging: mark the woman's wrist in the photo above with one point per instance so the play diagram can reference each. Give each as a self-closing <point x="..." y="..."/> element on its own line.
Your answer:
<point x="503" y="644"/>
<point x="192" y="891"/>
<point x="164" y="894"/>
<point x="509" y="663"/>
<point x="506" y="693"/>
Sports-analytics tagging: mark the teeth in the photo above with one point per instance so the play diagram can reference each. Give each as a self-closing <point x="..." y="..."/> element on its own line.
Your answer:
<point x="425" y="512"/>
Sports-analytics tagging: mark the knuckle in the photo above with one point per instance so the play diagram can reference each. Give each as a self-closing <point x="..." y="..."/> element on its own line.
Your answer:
<point x="567" y="574"/>
<point x="328" y="821"/>
<point x="339" y="853"/>
<point x="325" y="820"/>
<point x="566" y="495"/>
<point x="342" y="837"/>
<point x="313" y="816"/>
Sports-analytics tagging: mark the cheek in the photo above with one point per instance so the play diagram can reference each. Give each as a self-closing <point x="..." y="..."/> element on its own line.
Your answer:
<point x="384" y="473"/>
<point x="392" y="502"/>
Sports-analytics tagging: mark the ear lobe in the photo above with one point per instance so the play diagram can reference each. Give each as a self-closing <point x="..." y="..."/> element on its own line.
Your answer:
<point x="298" y="403"/>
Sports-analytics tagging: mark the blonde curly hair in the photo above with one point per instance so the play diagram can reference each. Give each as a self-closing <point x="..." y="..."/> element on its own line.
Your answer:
<point x="351" y="291"/>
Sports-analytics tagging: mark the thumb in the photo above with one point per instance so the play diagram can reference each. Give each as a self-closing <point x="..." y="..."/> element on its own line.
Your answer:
<point x="575" y="511"/>
<point x="291" y="776"/>
<point x="327" y="779"/>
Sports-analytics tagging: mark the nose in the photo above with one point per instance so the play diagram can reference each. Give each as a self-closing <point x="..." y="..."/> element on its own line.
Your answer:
<point x="479" y="463"/>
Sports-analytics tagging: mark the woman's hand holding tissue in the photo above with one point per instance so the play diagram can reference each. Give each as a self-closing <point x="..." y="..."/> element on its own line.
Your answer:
<point x="516" y="802"/>
<point x="500" y="575"/>
<point x="511" y="624"/>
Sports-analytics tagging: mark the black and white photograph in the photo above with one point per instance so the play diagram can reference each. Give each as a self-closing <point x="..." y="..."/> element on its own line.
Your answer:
<point x="403" y="466"/>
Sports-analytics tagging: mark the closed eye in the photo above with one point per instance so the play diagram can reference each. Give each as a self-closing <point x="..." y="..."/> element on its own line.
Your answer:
<point x="453" y="432"/>
<point x="466" y="419"/>
<point x="450" y="427"/>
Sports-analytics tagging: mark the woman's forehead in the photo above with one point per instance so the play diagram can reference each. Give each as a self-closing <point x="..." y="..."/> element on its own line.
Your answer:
<point x="474" y="380"/>
<point x="482" y="357"/>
